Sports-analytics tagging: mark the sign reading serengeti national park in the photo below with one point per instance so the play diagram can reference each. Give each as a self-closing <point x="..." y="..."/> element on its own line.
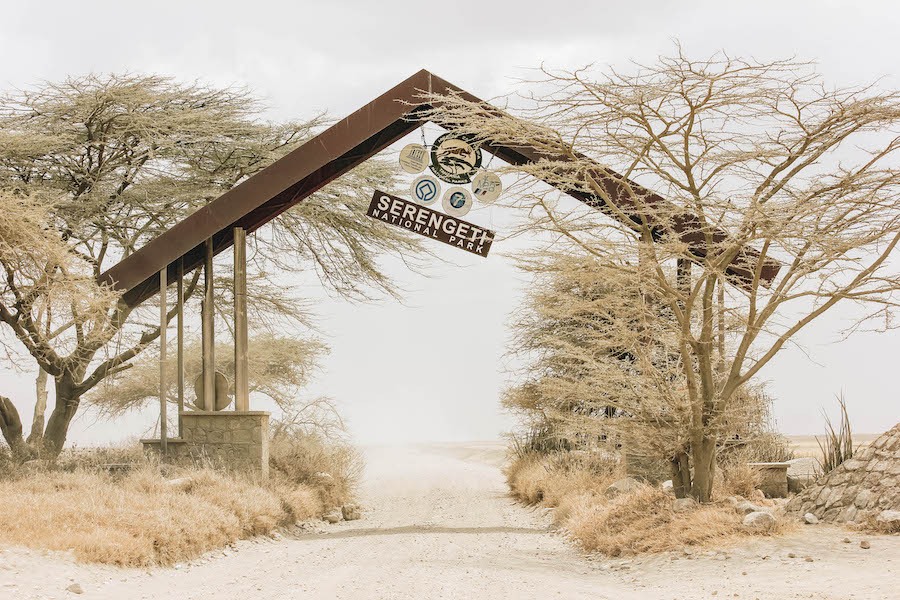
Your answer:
<point x="432" y="224"/>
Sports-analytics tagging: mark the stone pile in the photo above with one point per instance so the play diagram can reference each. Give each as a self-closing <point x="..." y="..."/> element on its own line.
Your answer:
<point x="860" y="488"/>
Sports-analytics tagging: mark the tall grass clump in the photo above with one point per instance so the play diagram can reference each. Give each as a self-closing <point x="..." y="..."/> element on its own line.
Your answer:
<point x="837" y="443"/>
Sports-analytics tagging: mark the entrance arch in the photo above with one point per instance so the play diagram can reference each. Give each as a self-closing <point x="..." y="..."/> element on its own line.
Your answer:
<point x="225" y="221"/>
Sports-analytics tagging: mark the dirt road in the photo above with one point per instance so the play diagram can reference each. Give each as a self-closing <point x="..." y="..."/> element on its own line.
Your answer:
<point x="438" y="524"/>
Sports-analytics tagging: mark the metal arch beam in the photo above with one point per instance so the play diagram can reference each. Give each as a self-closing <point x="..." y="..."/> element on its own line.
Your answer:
<point x="329" y="155"/>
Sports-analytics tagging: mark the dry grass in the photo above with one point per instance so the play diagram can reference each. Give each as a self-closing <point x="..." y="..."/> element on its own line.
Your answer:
<point x="308" y="459"/>
<point x="837" y="445"/>
<point x="137" y="518"/>
<point x="548" y="480"/>
<point x="639" y="522"/>
<point x="644" y="521"/>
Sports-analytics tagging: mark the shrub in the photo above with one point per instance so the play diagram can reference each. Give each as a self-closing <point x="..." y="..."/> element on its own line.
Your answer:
<point x="307" y="459"/>
<point x="643" y="521"/>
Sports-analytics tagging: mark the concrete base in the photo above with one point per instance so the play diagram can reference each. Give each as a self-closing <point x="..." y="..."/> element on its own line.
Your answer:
<point x="773" y="479"/>
<point x="236" y="441"/>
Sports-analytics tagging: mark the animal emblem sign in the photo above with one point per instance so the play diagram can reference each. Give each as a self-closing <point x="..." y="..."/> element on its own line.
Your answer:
<point x="419" y="219"/>
<point x="453" y="159"/>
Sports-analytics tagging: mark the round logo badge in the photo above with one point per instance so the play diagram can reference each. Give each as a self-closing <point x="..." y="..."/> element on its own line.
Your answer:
<point x="457" y="201"/>
<point x="486" y="186"/>
<point x="453" y="159"/>
<point x="425" y="189"/>
<point x="413" y="158"/>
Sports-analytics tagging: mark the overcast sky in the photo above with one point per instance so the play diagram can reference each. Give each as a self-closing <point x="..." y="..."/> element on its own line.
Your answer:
<point x="393" y="369"/>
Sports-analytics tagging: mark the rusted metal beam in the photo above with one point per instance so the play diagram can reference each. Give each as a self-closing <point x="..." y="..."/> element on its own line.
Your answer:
<point x="335" y="151"/>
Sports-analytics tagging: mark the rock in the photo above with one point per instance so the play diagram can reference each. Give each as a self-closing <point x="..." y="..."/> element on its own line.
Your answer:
<point x="810" y="519"/>
<point x="75" y="589"/>
<point x="808" y="559"/>
<point x="746" y="507"/>
<point x="682" y="505"/>
<point x="846" y="540"/>
<point x="333" y="516"/>
<point x="351" y="512"/>
<point x="622" y="486"/>
<point x="889" y="518"/>
<point x="757" y="495"/>
<point x="865" y="545"/>
<point x="667" y="486"/>
<point x="759" y="521"/>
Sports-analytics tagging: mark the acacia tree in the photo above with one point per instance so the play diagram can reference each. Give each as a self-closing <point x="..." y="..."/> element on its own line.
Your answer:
<point x="279" y="368"/>
<point x="601" y="368"/>
<point x="747" y="154"/>
<point x="114" y="161"/>
<point x="42" y="267"/>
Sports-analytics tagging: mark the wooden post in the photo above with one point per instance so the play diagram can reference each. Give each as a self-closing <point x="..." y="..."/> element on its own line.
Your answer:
<point x="180" y="367"/>
<point x="209" y="335"/>
<point x="163" y="432"/>
<point x="241" y="382"/>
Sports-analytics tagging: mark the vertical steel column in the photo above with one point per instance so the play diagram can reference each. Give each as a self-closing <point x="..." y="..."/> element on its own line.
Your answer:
<point x="209" y="335"/>
<point x="179" y="270"/>
<point x="683" y="275"/>
<point x="163" y="431"/>
<point x="241" y="381"/>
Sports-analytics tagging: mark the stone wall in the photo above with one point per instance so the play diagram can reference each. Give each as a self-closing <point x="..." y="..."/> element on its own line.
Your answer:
<point x="859" y="488"/>
<point x="237" y="441"/>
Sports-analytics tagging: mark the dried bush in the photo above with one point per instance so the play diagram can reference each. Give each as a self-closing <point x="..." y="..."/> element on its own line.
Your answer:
<point x="643" y="521"/>
<point x="300" y="457"/>
<point x="638" y="522"/>
<point x="549" y="479"/>
<point x="735" y="476"/>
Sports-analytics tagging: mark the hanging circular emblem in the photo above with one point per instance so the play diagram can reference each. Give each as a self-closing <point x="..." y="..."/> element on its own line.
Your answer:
<point x="454" y="159"/>
<point x="486" y="186"/>
<point x="457" y="201"/>
<point x="425" y="189"/>
<point x="413" y="158"/>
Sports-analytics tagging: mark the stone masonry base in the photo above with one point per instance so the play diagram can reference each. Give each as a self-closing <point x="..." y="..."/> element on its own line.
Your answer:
<point x="236" y="441"/>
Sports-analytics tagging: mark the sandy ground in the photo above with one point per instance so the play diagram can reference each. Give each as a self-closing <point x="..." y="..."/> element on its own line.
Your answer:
<point x="438" y="524"/>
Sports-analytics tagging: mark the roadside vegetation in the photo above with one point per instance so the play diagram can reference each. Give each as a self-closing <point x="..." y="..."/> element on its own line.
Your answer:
<point x="116" y="506"/>
<point x="603" y="510"/>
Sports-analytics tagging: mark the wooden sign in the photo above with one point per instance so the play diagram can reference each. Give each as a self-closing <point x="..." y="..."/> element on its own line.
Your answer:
<point x="453" y="231"/>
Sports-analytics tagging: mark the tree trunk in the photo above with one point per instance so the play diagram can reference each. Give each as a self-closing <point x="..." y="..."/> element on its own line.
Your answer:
<point x="67" y="399"/>
<point x="40" y="409"/>
<point x="704" y="459"/>
<point x="681" y="474"/>
<point x="11" y="427"/>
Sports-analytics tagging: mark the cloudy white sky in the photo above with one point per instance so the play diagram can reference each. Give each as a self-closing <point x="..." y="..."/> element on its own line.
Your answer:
<point x="305" y="56"/>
